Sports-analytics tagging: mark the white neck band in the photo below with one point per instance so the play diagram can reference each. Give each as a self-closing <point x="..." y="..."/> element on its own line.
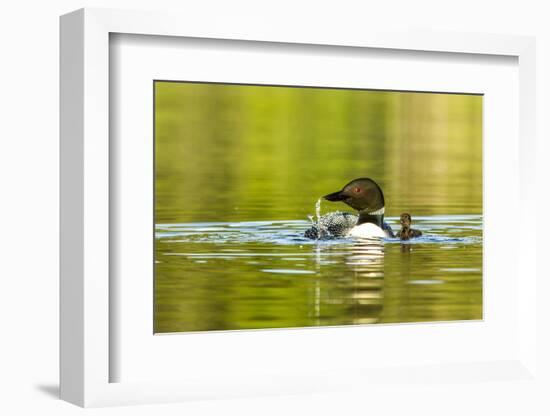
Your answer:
<point x="377" y="212"/>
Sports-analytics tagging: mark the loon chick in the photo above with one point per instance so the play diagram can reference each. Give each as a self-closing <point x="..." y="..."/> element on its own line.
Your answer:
<point x="406" y="232"/>
<point x="365" y="196"/>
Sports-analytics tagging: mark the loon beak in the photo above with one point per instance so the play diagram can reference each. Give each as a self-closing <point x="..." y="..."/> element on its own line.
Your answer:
<point x="335" y="196"/>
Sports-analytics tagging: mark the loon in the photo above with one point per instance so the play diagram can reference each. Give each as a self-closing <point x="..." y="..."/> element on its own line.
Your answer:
<point x="365" y="196"/>
<point x="406" y="232"/>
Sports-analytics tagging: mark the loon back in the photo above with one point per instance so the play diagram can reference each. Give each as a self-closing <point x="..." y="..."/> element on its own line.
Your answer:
<point x="333" y="224"/>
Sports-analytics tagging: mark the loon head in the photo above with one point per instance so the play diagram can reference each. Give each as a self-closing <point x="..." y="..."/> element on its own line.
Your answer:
<point x="405" y="220"/>
<point x="362" y="194"/>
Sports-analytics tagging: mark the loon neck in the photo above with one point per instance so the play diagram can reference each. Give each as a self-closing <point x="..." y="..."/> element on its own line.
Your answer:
<point x="373" y="217"/>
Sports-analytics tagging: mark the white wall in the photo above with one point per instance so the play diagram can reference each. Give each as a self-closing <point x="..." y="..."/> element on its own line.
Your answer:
<point x="29" y="205"/>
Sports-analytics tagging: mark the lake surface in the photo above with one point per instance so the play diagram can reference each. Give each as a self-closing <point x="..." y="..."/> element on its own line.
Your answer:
<point x="264" y="274"/>
<point x="238" y="172"/>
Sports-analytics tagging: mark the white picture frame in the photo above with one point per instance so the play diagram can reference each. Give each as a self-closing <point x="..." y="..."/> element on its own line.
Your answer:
<point x="86" y="218"/>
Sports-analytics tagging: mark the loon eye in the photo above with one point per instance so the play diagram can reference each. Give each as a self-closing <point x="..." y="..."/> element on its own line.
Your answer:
<point x="356" y="189"/>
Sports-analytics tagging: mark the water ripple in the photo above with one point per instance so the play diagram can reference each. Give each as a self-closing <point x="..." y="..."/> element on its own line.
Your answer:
<point x="446" y="230"/>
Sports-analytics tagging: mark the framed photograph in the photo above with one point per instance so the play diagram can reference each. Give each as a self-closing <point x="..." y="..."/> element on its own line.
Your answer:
<point x="273" y="212"/>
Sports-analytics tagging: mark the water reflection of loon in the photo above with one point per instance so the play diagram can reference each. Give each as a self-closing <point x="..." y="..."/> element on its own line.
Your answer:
<point x="360" y="288"/>
<point x="366" y="294"/>
<point x="363" y="195"/>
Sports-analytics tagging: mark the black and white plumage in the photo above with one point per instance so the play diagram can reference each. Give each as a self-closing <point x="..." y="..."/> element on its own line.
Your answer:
<point x="333" y="224"/>
<point x="337" y="224"/>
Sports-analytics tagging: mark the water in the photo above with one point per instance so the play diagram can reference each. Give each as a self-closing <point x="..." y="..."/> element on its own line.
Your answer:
<point x="239" y="169"/>
<point x="264" y="274"/>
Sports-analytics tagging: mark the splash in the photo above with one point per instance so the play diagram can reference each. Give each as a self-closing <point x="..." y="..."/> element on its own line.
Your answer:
<point x="318" y="230"/>
<point x="318" y="210"/>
